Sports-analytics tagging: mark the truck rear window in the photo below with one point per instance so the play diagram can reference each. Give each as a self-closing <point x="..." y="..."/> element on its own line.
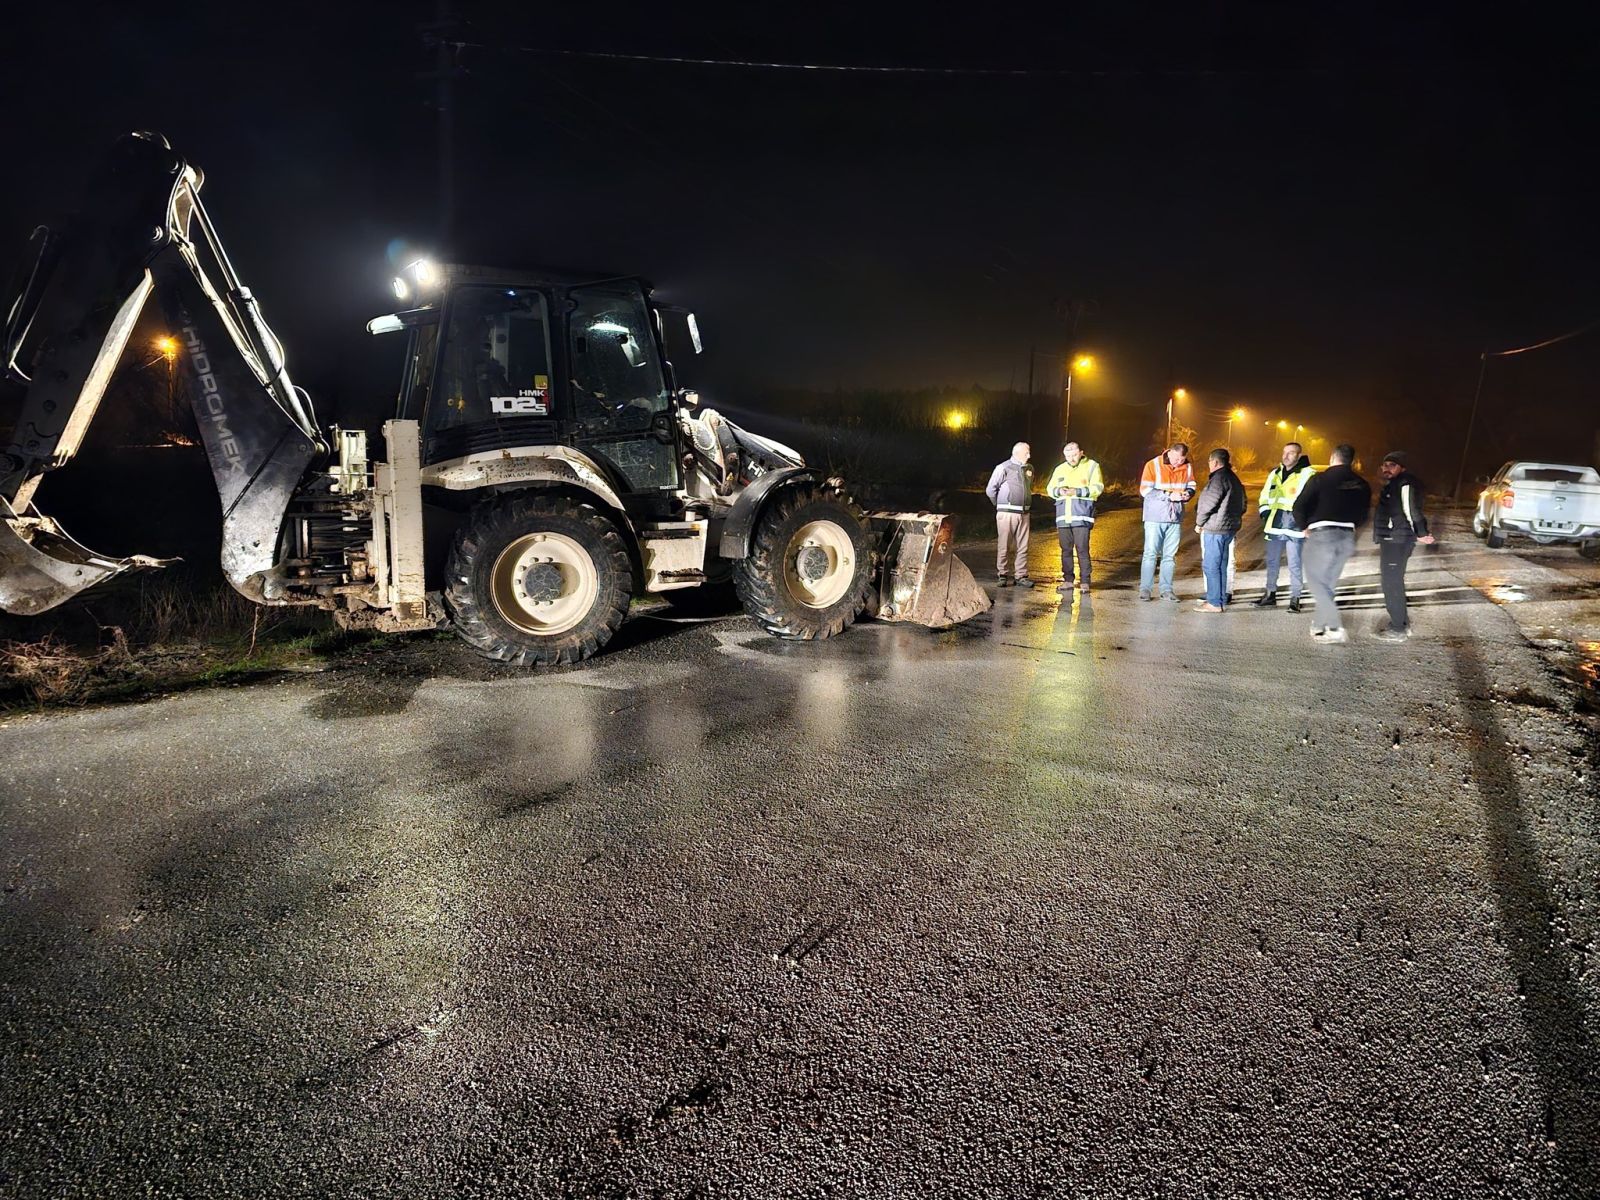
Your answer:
<point x="1549" y="475"/>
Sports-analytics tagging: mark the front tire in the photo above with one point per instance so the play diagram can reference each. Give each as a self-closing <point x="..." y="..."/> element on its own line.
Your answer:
<point x="1479" y="529"/>
<point x="538" y="579"/>
<point x="1590" y="549"/>
<point x="809" y="566"/>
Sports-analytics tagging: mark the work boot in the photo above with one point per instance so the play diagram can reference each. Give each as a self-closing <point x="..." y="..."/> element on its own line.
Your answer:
<point x="1024" y="581"/>
<point x="1268" y="599"/>
<point x="1003" y="581"/>
<point x="1144" y="595"/>
<point x="1066" y="586"/>
<point x="1294" y="604"/>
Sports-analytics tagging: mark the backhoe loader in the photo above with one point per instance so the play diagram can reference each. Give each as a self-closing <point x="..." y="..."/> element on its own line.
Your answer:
<point x="543" y="468"/>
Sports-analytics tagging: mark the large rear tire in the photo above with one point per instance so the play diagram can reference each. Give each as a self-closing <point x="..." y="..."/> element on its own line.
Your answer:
<point x="809" y="566"/>
<point x="538" y="579"/>
<point x="1493" y="537"/>
<point x="1590" y="549"/>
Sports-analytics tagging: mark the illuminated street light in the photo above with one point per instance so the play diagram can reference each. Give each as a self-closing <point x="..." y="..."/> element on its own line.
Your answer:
<point x="168" y="346"/>
<point x="1084" y="363"/>
<point x="1178" y="394"/>
<point x="1237" y="414"/>
<point x="956" y="420"/>
<point x="1284" y="425"/>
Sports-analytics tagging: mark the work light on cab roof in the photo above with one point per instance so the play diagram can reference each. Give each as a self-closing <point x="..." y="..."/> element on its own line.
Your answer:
<point x="417" y="278"/>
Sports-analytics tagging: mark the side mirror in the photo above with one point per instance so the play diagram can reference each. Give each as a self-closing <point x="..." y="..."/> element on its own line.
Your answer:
<point x="689" y="399"/>
<point x="1482" y="478"/>
<point x="694" y="334"/>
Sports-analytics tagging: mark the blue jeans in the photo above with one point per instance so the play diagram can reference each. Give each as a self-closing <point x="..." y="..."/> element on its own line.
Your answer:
<point x="1160" y="541"/>
<point x="1214" y="562"/>
<point x="1276" y="547"/>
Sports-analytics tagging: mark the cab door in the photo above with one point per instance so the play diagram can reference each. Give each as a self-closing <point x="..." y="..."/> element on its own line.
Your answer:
<point x="620" y="406"/>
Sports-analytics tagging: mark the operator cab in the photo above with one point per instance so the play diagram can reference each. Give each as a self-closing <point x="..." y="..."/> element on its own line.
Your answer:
<point x="503" y="360"/>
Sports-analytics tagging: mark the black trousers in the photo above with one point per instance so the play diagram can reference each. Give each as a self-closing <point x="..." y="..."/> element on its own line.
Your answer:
<point x="1392" y="560"/>
<point x="1074" y="538"/>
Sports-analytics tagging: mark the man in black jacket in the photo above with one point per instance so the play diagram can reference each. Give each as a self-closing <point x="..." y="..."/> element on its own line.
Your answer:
<point x="1218" y="514"/>
<point x="1399" y="526"/>
<point x="1329" y="508"/>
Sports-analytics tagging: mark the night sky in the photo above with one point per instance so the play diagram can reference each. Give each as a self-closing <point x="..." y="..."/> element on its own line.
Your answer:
<point x="1322" y="212"/>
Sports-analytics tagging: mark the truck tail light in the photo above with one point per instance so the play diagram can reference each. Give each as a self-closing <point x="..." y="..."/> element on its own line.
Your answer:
<point x="1508" y="497"/>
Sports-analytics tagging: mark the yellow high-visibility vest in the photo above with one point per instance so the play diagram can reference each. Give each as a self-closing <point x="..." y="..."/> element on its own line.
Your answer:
<point x="1278" y="495"/>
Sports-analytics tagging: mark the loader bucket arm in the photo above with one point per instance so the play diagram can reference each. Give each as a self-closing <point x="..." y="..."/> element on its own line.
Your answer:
<point x="65" y="331"/>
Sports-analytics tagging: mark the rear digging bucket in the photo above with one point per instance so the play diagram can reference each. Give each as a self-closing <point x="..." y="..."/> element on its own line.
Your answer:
<point x="41" y="567"/>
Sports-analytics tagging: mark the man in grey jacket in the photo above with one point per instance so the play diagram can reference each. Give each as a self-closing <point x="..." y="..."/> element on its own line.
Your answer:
<point x="1217" y="516"/>
<point x="1010" y="490"/>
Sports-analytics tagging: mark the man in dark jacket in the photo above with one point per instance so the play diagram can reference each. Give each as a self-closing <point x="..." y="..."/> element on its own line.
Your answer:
<point x="1400" y="524"/>
<point x="1217" y="517"/>
<point x="1329" y="508"/>
<point x="1010" y="490"/>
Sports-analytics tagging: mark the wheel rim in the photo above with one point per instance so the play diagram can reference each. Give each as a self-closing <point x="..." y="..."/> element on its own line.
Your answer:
<point x="544" y="583"/>
<point x="819" y="564"/>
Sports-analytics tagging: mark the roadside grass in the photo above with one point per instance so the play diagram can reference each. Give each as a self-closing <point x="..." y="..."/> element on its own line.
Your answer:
<point x="162" y="634"/>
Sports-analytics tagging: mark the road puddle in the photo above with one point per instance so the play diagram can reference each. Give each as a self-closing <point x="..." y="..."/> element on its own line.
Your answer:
<point x="1503" y="591"/>
<point x="1586" y="670"/>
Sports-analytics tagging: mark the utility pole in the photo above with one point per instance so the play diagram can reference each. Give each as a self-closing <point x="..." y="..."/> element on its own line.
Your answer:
<point x="1472" y="419"/>
<point x="439" y="34"/>
<point x="1032" y="350"/>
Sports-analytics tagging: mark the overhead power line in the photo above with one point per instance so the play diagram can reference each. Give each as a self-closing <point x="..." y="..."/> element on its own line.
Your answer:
<point x="1565" y="337"/>
<point x="998" y="72"/>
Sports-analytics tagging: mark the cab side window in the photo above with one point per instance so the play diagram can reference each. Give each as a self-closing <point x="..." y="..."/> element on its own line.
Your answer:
<point x="496" y="361"/>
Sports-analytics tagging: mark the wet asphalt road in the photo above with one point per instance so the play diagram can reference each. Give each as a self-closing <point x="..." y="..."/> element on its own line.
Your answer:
<point x="1105" y="899"/>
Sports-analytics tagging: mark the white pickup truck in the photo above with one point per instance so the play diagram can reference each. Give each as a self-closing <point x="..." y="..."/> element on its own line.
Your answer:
<point x="1547" y="502"/>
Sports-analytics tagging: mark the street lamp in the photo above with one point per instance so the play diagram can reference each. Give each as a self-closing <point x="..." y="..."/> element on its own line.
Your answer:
<point x="1237" y="414"/>
<point x="1178" y="394"/>
<point x="1084" y="363"/>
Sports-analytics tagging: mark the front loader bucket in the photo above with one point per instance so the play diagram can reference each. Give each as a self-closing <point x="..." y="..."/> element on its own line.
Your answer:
<point x="921" y="580"/>
<point x="41" y="567"/>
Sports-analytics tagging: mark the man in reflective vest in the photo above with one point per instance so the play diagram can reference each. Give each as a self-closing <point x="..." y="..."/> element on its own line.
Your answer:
<point x="1010" y="490"/>
<point x="1075" y="485"/>
<point x="1167" y="484"/>
<point x="1284" y="536"/>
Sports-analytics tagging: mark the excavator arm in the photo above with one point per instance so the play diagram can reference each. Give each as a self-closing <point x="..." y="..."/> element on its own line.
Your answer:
<point x="144" y="232"/>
